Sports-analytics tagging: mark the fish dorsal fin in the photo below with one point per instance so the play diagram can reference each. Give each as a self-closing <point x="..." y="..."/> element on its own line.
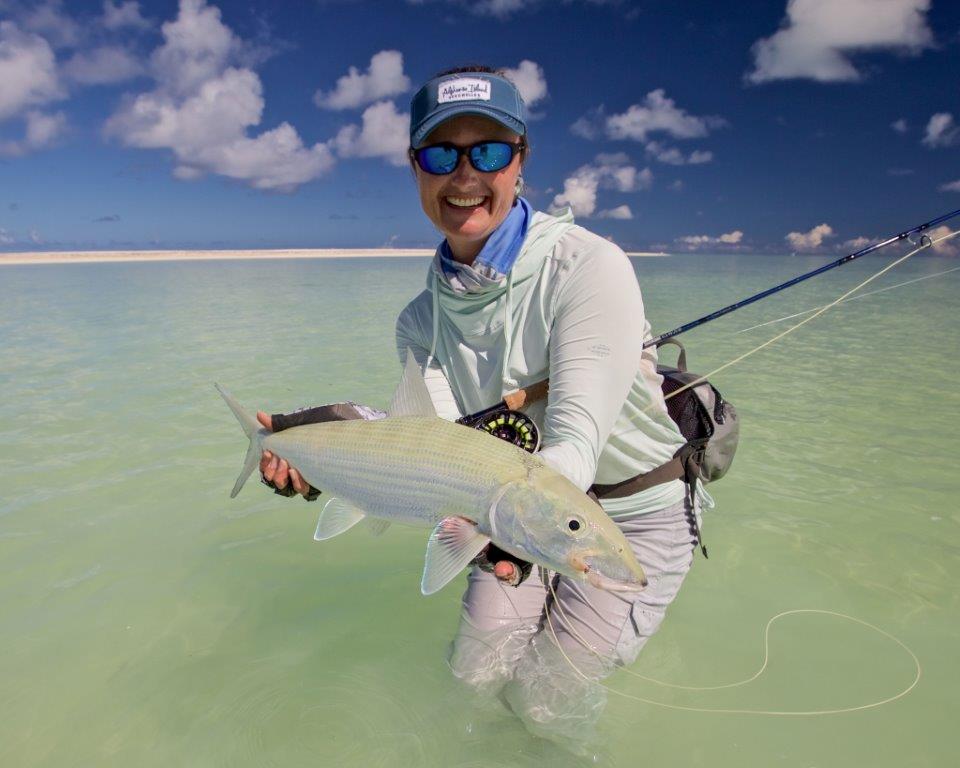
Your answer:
<point x="377" y="525"/>
<point x="336" y="517"/>
<point x="412" y="397"/>
<point x="452" y="545"/>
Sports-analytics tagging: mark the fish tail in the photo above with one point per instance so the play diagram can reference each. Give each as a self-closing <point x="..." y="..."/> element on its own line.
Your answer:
<point x="253" y="430"/>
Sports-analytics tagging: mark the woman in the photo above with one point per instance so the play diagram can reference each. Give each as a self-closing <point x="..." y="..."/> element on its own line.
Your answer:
<point x="515" y="296"/>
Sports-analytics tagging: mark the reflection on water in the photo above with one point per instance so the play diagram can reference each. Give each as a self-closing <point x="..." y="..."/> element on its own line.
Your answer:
<point x="147" y="619"/>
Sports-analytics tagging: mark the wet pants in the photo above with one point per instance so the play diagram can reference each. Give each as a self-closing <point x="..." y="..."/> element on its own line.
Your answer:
<point x="505" y="646"/>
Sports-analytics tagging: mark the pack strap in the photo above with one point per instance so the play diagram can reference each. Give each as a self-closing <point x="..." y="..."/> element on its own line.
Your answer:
<point x="672" y="470"/>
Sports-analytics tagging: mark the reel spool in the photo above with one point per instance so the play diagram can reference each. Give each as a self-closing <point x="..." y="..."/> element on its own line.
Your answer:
<point x="513" y="426"/>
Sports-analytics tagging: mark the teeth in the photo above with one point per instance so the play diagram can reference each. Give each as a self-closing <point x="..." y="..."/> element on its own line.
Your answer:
<point x="465" y="202"/>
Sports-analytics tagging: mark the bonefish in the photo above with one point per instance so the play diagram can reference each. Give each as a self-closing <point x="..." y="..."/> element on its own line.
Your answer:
<point x="470" y="487"/>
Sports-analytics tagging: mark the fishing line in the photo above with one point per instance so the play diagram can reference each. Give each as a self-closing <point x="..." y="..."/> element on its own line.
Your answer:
<point x="852" y="298"/>
<point x="766" y="657"/>
<point x="926" y="242"/>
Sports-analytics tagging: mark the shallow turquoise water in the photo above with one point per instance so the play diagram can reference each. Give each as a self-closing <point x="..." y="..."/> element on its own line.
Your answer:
<point x="146" y="619"/>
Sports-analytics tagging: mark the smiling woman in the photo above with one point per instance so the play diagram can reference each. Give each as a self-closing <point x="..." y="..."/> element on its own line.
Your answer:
<point x="516" y="296"/>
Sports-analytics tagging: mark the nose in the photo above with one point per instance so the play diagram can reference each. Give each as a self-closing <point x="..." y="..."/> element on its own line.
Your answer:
<point x="464" y="171"/>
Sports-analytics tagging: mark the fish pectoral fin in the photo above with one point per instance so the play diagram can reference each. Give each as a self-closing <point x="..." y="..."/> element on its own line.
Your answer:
<point x="377" y="525"/>
<point x="412" y="397"/>
<point x="336" y="517"/>
<point x="452" y="545"/>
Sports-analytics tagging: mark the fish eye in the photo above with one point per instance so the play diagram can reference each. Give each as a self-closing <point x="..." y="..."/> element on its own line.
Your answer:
<point x="576" y="524"/>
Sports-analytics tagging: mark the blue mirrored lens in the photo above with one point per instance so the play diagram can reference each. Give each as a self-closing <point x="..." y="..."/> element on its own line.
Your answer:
<point x="491" y="155"/>
<point x="438" y="159"/>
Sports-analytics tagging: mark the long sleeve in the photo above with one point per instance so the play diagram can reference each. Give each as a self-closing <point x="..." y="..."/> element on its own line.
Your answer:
<point x="595" y="350"/>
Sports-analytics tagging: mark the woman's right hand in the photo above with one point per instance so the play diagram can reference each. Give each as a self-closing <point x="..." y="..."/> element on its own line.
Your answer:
<point x="276" y="470"/>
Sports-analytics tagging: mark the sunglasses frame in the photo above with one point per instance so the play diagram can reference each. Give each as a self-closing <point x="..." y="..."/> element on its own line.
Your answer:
<point x="516" y="148"/>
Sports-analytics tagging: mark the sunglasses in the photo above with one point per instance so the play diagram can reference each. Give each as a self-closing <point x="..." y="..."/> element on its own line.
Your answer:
<point x="484" y="156"/>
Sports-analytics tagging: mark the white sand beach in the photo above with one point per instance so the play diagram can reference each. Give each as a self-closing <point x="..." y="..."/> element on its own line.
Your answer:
<point x="93" y="257"/>
<point x="90" y="257"/>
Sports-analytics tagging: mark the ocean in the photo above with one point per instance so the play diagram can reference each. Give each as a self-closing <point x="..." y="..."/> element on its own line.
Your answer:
<point x="146" y="619"/>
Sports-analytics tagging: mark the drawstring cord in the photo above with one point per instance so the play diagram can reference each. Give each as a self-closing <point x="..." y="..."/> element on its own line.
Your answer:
<point x="435" y="291"/>
<point x="507" y="383"/>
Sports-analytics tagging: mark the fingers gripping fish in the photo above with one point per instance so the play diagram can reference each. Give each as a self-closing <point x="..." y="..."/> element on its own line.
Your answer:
<point x="470" y="487"/>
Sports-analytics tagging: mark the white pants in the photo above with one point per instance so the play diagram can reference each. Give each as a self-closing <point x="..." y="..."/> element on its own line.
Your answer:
<point x="506" y="647"/>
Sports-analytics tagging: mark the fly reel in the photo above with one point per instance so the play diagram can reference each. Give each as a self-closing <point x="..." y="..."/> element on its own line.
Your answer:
<point x="513" y="426"/>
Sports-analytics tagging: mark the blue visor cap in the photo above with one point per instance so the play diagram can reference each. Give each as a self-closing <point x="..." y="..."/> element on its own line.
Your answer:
<point x="466" y="93"/>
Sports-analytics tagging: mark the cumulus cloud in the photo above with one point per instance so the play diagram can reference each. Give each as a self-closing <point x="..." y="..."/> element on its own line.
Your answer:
<point x="941" y="131"/>
<point x="818" y="37"/>
<point x="40" y="130"/>
<point x="53" y="23"/>
<point x="620" y="212"/>
<point x="5" y="237"/>
<point x="384" y="77"/>
<point x="530" y="81"/>
<point x="203" y="106"/>
<point x="699" y="241"/>
<point x="28" y="71"/>
<point x="951" y="186"/>
<point x="673" y="156"/>
<point x="658" y="113"/>
<point x="947" y="247"/>
<point x="900" y="126"/>
<point x="607" y="171"/>
<point x="384" y="133"/>
<point x="809" y="241"/>
<point x="101" y="66"/>
<point x="856" y="243"/>
<point x="123" y="15"/>
<point x="504" y="8"/>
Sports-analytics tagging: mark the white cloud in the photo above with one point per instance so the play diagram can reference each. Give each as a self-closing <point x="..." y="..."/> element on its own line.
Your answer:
<point x="608" y="171"/>
<point x="673" y="156"/>
<point x="384" y="77"/>
<point x="28" y="71"/>
<point x="120" y="15"/>
<point x="856" y="243"/>
<point x="384" y="133"/>
<point x="49" y="20"/>
<point x="952" y="186"/>
<point x="817" y="37"/>
<point x="504" y="8"/>
<point x="40" y="130"/>
<point x="5" y="237"/>
<point x="530" y="81"/>
<point x="100" y="66"/>
<point x="659" y="114"/>
<point x="808" y="241"/>
<point x="947" y="247"/>
<point x="941" y="131"/>
<point x="620" y="212"/>
<point x="900" y="126"/>
<point x="698" y="241"/>
<point x="202" y="108"/>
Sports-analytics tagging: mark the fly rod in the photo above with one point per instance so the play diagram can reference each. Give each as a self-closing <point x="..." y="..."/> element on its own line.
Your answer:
<point x="657" y="340"/>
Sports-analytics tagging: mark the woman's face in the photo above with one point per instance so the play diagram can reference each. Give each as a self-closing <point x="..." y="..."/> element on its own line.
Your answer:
<point x="467" y="205"/>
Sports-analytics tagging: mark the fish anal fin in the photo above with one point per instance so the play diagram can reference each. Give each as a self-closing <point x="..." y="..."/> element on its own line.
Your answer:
<point x="336" y="517"/>
<point x="452" y="545"/>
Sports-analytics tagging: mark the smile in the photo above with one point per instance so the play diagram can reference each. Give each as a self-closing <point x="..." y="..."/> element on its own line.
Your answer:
<point x="465" y="202"/>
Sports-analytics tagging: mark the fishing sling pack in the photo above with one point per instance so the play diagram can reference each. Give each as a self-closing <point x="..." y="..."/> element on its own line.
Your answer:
<point x="707" y="421"/>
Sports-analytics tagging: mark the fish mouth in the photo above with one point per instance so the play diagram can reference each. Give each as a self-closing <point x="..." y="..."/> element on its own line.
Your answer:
<point x="597" y="579"/>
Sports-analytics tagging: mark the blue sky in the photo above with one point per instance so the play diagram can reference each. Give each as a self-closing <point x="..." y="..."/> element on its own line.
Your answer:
<point x="755" y="126"/>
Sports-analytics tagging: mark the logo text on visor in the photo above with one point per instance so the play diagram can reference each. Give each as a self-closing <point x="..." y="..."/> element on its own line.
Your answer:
<point x="464" y="89"/>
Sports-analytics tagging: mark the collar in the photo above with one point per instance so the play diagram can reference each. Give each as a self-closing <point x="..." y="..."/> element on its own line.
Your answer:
<point x="495" y="259"/>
